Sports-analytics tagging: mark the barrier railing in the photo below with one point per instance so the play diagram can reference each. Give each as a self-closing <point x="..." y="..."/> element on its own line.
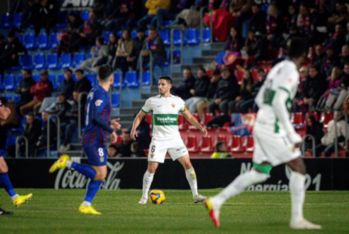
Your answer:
<point x="312" y="144"/>
<point x="58" y="125"/>
<point x="150" y="68"/>
<point x="172" y="49"/>
<point x="79" y="112"/>
<point x="26" y="145"/>
<point x="202" y="24"/>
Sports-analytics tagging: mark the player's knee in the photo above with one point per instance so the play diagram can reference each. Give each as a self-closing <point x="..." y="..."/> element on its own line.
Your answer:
<point x="3" y="168"/>
<point x="187" y="165"/>
<point x="259" y="177"/>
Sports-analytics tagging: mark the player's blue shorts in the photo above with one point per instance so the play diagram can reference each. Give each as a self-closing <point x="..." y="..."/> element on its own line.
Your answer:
<point x="97" y="156"/>
<point x="2" y="152"/>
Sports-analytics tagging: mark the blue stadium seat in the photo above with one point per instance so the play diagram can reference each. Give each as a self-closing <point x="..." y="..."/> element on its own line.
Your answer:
<point x="2" y="86"/>
<point x="165" y="35"/>
<point x="53" y="42"/>
<point x="52" y="78"/>
<point x="191" y="36"/>
<point x="16" y="98"/>
<point x="167" y="22"/>
<point x="9" y="82"/>
<point x="78" y="59"/>
<point x="131" y="79"/>
<point x="146" y="78"/>
<point x="176" y="56"/>
<point x="84" y="15"/>
<point x="117" y="78"/>
<point x="119" y="34"/>
<point x="5" y="22"/>
<point x="115" y="100"/>
<point x="177" y="37"/>
<point x="17" y="20"/>
<point x="206" y="35"/>
<point x="89" y="55"/>
<point x="10" y="140"/>
<point x="26" y="61"/>
<point x="92" y="78"/>
<point x="133" y="34"/>
<point x="106" y="36"/>
<point x="60" y="79"/>
<point x="39" y="61"/>
<point x="8" y="97"/>
<point x="20" y="37"/>
<point x="65" y="61"/>
<point x="62" y="20"/>
<point x="42" y="41"/>
<point x="29" y="41"/>
<point x="52" y="61"/>
<point x="36" y="77"/>
<point x="18" y="80"/>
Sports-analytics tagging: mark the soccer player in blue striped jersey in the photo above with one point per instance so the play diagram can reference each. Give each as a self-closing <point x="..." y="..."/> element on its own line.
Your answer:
<point x="97" y="125"/>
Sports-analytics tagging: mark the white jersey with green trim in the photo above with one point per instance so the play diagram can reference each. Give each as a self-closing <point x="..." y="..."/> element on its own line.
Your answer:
<point x="283" y="77"/>
<point x="165" y="112"/>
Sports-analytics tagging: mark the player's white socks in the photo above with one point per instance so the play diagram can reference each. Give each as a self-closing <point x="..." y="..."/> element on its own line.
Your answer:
<point x="68" y="163"/>
<point x="86" y="203"/>
<point x="14" y="197"/>
<point x="297" y="191"/>
<point x="238" y="186"/>
<point x="191" y="177"/>
<point x="147" y="180"/>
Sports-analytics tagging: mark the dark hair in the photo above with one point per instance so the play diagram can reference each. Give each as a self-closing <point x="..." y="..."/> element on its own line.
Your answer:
<point x="30" y="114"/>
<point x="28" y="71"/>
<point x="11" y="33"/>
<point x="187" y="68"/>
<point x="261" y="70"/>
<point x="104" y="72"/>
<point x="137" y="146"/>
<point x="113" y="146"/>
<point x="79" y="70"/>
<point x="216" y="72"/>
<point x="315" y="67"/>
<point x="100" y="40"/>
<point x="68" y="70"/>
<point x="219" y="145"/>
<point x="297" y="47"/>
<point x="202" y="69"/>
<point x="152" y="29"/>
<point x="167" y="78"/>
<point x="2" y="37"/>
<point x="3" y="100"/>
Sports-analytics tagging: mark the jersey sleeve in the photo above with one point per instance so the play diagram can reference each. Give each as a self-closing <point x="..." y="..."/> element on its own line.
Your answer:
<point x="99" y="105"/>
<point x="288" y="81"/>
<point x="147" y="106"/>
<point x="182" y="107"/>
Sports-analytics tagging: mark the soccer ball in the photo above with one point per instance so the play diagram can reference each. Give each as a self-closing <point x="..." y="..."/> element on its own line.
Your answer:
<point x="157" y="197"/>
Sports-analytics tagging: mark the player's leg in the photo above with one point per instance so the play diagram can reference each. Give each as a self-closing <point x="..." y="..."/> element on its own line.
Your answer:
<point x="297" y="191"/>
<point x="147" y="180"/>
<point x="191" y="177"/>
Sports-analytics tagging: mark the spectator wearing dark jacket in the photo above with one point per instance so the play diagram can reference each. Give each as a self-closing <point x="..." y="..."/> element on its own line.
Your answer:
<point x="23" y="90"/>
<point x="124" y="148"/>
<point x="235" y="41"/>
<point x="67" y="86"/>
<point x="40" y="90"/>
<point x="227" y="90"/>
<point x="199" y="90"/>
<point x="143" y="132"/>
<point x="184" y="87"/>
<point x="44" y="16"/>
<point x="257" y="22"/>
<point x="41" y="143"/>
<point x="315" y="129"/>
<point x="138" y="43"/>
<point x="60" y="108"/>
<point x="319" y="56"/>
<point x="154" y="45"/>
<point x="83" y="84"/>
<point x="329" y="61"/>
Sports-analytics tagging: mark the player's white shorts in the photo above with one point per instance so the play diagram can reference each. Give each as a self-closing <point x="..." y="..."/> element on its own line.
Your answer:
<point x="273" y="148"/>
<point x="159" y="147"/>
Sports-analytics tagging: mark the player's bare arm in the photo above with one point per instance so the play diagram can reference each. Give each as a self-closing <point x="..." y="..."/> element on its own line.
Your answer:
<point x="136" y="123"/>
<point x="193" y="121"/>
<point x="114" y="124"/>
<point x="4" y="112"/>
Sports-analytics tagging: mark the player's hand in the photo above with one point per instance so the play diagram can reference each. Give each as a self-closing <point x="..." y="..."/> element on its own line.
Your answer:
<point x="113" y="137"/>
<point x="204" y="131"/>
<point x="114" y="124"/>
<point x="134" y="134"/>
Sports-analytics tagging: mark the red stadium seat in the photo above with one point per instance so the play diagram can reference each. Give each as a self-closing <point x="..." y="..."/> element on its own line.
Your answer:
<point x="221" y="139"/>
<point x="191" y="127"/>
<point x="297" y="118"/>
<point x="311" y="114"/>
<point x="255" y="74"/>
<point x="207" y="117"/>
<point x="325" y="118"/>
<point x="182" y="124"/>
<point x="238" y="144"/>
<point x="149" y="119"/>
<point x="250" y="144"/>
<point x="118" y="140"/>
<point x="239" y="75"/>
<point x="191" y="144"/>
<point x="206" y="144"/>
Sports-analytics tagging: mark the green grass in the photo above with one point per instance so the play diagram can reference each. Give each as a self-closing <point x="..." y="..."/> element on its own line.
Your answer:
<point x="56" y="211"/>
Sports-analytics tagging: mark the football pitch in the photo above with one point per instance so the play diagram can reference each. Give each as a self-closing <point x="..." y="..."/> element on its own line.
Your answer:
<point x="56" y="211"/>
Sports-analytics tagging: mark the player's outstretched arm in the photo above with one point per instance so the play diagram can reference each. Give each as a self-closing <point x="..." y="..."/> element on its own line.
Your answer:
<point x="193" y="121"/>
<point x="4" y="112"/>
<point x="136" y="123"/>
<point x="114" y="124"/>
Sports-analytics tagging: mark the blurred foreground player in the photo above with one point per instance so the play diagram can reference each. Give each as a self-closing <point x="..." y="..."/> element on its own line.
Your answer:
<point x="97" y="113"/>
<point x="4" y="179"/>
<point x="276" y="141"/>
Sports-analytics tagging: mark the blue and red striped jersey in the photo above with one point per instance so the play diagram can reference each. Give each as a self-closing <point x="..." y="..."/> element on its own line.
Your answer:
<point x="97" y="108"/>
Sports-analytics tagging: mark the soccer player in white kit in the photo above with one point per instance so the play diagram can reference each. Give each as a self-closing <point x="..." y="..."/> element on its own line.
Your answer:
<point x="276" y="141"/>
<point x="166" y="137"/>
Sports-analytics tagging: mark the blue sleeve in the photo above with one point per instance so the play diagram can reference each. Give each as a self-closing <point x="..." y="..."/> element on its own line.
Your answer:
<point x="99" y="104"/>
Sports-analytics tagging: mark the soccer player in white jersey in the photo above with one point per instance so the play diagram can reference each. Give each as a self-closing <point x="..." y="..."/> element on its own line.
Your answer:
<point x="166" y="137"/>
<point x="276" y="141"/>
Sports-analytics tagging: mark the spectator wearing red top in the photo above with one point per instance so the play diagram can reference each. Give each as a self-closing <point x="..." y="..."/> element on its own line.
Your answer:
<point x="40" y="90"/>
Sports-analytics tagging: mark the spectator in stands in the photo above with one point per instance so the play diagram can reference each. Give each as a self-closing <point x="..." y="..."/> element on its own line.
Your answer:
<point x="337" y="39"/>
<point x="347" y="35"/>
<point x="23" y="89"/>
<point x="40" y="90"/>
<point x="333" y="89"/>
<point x="41" y="143"/>
<point x="112" y="46"/>
<point x="318" y="56"/>
<point x="44" y="16"/>
<point x="315" y="85"/>
<point x="154" y="44"/>
<point x="184" y="87"/>
<point x="244" y="93"/>
<point x="339" y="15"/>
<point x="67" y="86"/>
<point x="143" y="132"/>
<point x="72" y="118"/>
<point x="313" y="128"/>
<point x="328" y="141"/>
<point x="137" y="150"/>
<point x="60" y="108"/>
<point x="344" y="56"/>
<point x="344" y="85"/>
<point x="74" y="22"/>
<point x="112" y="151"/>
<point x="329" y="60"/>
<point x="257" y="22"/>
<point x="9" y="57"/>
<point x="124" y="148"/>
<point x="227" y="90"/>
<point x="234" y="41"/>
<point x="87" y="34"/>
<point x="83" y="84"/>
<point x="12" y="120"/>
<point x="137" y="48"/>
<point x="303" y="19"/>
<point x="153" y="6"/>
<point x="303" y="74"/>
<point x="221" y="151"/>
<point x="273" y="26"/>
<point x="99" y="54"/>
<point x="32" y="132"/>
<point x="124" y="49"/>
<point x="209" y="98"/>
<point x="290" y="18"/>
<point x="199" y="90"/>
<point x="2" y="44"/>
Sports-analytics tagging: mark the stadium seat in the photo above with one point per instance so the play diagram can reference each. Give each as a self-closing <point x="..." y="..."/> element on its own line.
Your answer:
<point x="106" y="36"/>
<point x="239" y="75"/>
<point x="84" y="15"/>
<point x="5" y="22"/>
<point x="29" y="41"/>
<point x="149" y="119"/>
<point x="191" y="36"/>
<point x="297" y="118"/>
<point x="9" y="82"/>
<point x="115" y="99"/>
<point x="207" y="117"/>
<point x="250" y="144"/>
<point x="92" y="78"/>
<point x="192" y="127"/>
<point x="52" y="61"/>
<point x="18" y="80"/>
<point x="182" y="124"/>
<point x="26" y="61"/>
<point x="20" y="37"/>
<point x="206" y="35"/>
<point x="119" y="34"/>
<point x="78" y="59"/>
<point x="39" y="61"/>
<point x="133" y="34"/>
<point x="16" y="98"/>
<point x="11" y="140"/>
<point x="176" y="57"/>
<point x="131" y="79"/>
<point x="191" y="144"/>
<point x="165" y="35"/>
<point x="8" y="97"/>
<point x="177" y="39"/>
<point x="65" y="61"/>
<point x="238" y="144"/>
<point x="36" y="77"/>
<point x="2" y="87"/>
<point x="255" y="74"/>
<point x="326" y="117"/>
<point x="206" y="144"/>
<point x="52" y="78"/>
<point x="146" y="78"/>
<point x="53" y="41"/>
<point x="62" y="20"/>
<point x="117" y="79"/>
<point x="42" y="41"/>
<point x="220" y="138"/>
<point x="60" y="79"/>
